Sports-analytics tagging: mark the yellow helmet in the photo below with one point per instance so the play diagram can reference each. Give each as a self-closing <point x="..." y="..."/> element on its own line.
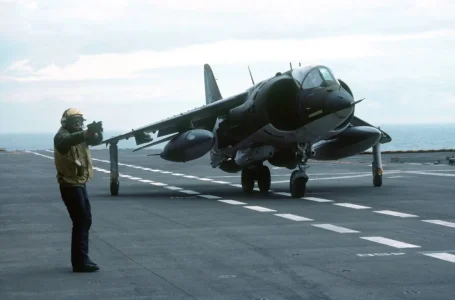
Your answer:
<point x="71" y="113"/>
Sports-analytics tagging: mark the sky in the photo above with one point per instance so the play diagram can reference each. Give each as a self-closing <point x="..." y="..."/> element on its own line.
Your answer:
<point x="131" y="63"/>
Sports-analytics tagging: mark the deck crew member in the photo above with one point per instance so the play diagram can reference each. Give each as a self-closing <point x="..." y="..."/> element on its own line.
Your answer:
<point x="74" y="169"/>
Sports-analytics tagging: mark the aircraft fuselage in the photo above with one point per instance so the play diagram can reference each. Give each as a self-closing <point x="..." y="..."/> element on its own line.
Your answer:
<point x="305" y="105"/>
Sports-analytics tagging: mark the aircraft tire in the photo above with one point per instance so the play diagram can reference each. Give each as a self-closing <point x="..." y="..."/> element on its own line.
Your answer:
<point x="297" y="184"/>
<point x="377" y="180"/>
<point x="247" y="180"/>
<point x="264" y="179"/>
<point x="115" y="185"/>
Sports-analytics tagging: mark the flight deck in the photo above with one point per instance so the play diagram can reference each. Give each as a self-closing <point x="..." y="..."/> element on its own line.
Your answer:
<point x="187" y="231"/>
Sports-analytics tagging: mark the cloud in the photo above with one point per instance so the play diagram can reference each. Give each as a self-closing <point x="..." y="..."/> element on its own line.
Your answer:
<point x="145" y="57"/>
<point x="127" y="65"/>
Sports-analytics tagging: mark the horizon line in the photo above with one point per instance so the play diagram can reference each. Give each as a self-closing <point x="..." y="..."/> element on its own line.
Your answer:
<point x="124" y="130"/>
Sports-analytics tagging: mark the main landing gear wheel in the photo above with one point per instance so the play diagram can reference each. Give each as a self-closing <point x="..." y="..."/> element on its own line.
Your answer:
<point x="299" y="178"/>
<point x="264" y="179"/>
<point x="115" y="185"/>
<point x="261" y="174"/>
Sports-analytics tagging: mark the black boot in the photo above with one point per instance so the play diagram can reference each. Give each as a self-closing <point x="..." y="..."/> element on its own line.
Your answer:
<point x="86" y="268"/>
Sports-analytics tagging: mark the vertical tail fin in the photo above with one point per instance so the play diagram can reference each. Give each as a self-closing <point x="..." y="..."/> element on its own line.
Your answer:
<point x="212" y="92"/>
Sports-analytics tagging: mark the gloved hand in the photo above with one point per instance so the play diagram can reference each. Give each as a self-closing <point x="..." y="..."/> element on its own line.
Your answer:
<point x="95" y="127"/>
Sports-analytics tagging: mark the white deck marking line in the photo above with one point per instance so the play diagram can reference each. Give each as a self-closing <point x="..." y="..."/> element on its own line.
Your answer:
<point x="236" y="185"/>
<point x="146" y="180"/>
<point x="209" y="196"/>
<point x="443" y="256"/>
<point x="107" y="171"/>
<point x="205" y="179"/>
<point x="335" y="228"/>
<point x="189" y="192"/>
<point x="395" y="213"/>
<point x="221" y="182"/>
<point x="440" y="222"/>
<point x="283" y="194"/>
<point x="260" y="208"/>
<point x="389" y="242"/>
<point x="350" y="205"/>
<point x="233" y="202"/>
<point x="430" y="173"/>
<point x="174" y="188"/>
<point x="315" y="199"/>
<point x="293" y="217"/>
<point x="197" y="193"/>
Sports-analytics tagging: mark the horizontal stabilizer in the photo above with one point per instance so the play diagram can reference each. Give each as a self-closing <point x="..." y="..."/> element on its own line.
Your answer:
<point x="156" y="142"/>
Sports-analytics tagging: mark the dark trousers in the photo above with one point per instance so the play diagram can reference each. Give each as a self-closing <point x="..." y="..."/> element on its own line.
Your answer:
<point x="78" y="206"/>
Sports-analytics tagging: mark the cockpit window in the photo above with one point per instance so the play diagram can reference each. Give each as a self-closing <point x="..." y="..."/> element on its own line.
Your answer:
<point x="313" y="76"/>
<point x="312" y="80"/>
<point x="327" y="74"/>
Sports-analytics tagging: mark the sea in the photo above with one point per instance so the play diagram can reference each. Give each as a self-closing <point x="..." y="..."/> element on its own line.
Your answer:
<point x="404" y="137"/>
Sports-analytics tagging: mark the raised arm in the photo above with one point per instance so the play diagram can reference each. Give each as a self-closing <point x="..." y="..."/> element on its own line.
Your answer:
<point x="64" y="140"/>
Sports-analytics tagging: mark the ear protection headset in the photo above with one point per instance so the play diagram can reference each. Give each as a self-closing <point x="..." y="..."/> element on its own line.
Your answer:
<point x="69" y="113"/>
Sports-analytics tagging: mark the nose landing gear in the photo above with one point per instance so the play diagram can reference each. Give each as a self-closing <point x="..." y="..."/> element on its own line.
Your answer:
<point x="299" y="178"/>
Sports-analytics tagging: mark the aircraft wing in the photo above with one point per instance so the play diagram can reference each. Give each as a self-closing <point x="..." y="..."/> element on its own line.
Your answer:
<point x="386" y="138"/>
<point x="201" y="117"/>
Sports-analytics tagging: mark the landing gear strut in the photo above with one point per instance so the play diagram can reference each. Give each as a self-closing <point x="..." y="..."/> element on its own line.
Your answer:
<point x="377" y="165"/>
<point x="259" y="173"/>
<point x="299" y="178"/>
<point x="114" y="184"/>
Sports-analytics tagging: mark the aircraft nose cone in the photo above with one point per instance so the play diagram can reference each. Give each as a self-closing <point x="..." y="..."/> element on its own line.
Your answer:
<point x="340" y="103"/>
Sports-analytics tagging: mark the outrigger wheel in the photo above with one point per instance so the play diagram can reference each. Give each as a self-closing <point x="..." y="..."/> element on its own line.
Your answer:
<point x="115" y="185"/>
<point x="377" y="176"/>
<point x="114" y="182"/>
<point x="261" y="174"/>
<point x="376" y="166"/>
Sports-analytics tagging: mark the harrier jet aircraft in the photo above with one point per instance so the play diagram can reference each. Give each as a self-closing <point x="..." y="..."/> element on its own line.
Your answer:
<point x="301" y="114"/>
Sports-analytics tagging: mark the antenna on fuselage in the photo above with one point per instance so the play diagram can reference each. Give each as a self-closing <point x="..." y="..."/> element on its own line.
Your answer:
<point x="300" y="64"/>
<point x="251" y="75"/>
<point x="290" y="64"/>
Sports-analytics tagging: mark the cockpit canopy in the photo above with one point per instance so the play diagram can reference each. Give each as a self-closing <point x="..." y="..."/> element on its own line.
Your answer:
<point x="314" y="76"/>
